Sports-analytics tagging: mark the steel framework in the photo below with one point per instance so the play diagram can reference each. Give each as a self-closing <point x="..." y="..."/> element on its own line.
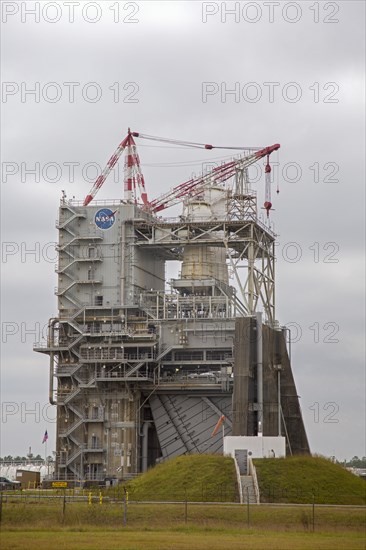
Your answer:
<point x="143" y="371"/>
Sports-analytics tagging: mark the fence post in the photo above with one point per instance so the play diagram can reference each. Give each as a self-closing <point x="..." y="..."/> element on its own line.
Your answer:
<point x="64" y="506"/>
<point x="1" y="506"/>
<point x="125" y="497"/>
<point x="313" y="512"/>
<point x="185" y="506"/>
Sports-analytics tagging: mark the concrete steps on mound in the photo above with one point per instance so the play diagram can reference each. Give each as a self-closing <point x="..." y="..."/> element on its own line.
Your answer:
<point x="248" y="491"/>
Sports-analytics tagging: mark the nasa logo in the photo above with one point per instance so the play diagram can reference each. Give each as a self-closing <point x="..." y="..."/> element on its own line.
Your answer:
<point x="104" y="218"/>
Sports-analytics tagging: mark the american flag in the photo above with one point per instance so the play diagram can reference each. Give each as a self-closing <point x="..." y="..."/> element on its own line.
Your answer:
<point x="45" y="437"/>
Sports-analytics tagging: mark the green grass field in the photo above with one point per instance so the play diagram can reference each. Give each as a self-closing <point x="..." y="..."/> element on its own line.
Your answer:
<point x="37" y="520"/>
<point x="180" y="539"/>
<point x="40" y="526"/>
<point x="43" y="516"/>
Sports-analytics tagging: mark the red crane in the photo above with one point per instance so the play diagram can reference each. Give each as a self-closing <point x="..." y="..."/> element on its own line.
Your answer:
<point x="133" y="175"/>
<point x="218" y="175"/>
<point x="135" y="180"/>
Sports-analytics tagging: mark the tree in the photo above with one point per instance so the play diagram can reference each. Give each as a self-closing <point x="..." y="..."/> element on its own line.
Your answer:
<point x="357" y="462"/>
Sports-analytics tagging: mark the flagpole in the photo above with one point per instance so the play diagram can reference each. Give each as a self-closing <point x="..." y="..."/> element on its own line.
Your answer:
<point x="45" y="438"/>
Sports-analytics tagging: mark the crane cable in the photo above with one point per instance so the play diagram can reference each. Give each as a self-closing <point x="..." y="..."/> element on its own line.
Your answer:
<point x="134" y="178"/>
<point x="192" y="144"/>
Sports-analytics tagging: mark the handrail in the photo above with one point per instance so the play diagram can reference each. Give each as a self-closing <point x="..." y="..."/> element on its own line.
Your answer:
<point x="253" y="473"/>
<point x="73" y="202"/>
<point x="238" y="479"/>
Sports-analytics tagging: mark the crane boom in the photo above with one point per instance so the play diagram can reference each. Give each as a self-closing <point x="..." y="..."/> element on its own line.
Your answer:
<point x="134" y="178"/>
<point x="133" y="174"/>
<point x="218" y="175"/>
<point x="105" y="173"/>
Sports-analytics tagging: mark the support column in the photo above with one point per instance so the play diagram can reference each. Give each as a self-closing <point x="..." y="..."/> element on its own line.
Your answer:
<point x="259" y="374"/>
<point x="145" y="439"/>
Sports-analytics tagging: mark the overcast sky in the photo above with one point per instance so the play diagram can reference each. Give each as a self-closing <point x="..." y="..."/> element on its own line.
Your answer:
<point x="268" y="72"/>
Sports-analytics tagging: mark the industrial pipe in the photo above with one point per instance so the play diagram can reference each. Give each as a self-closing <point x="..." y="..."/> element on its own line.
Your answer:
<point x="51" y="341"/>
<point x="145" y="433"/>
<point x="279" y="400"/>
<point x="259" y="375"/>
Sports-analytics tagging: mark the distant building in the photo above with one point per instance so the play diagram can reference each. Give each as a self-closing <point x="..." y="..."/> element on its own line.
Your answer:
<point x="9" y="469"/>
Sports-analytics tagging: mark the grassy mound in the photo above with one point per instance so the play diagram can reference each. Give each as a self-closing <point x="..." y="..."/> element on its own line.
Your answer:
<point x="296" y="479"/>
<point x="197" y="478"/>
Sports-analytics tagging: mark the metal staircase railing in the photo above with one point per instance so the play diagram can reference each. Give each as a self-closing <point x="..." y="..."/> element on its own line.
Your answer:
<point x="65" y="398"/>
<point x="64" y="223"/>
<point x="253" y="473"/>
<point x="73" y="457"/>
<point x="135" y="369"/>
<point x="62" y="371"/>
<point x="165" y="352"/>
<point x="75" y="410"/>
<point x="61" y="292"/>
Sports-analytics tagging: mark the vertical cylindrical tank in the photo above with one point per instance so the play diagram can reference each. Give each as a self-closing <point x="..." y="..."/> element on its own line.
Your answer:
<point x="205" y="262"/>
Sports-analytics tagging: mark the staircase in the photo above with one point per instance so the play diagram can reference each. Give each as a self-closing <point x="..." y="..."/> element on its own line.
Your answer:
<point x="135" y="369"/>
<point x="73" y="457"/>
<point x="64" y="399"/>
<point x="241" y="456"/>
<point x="71" y="428"/>
<point x="248" y="491"/>
<point x="246" y="480"/>
<point x="74" y="215"/>
<point x="165" y="351"/>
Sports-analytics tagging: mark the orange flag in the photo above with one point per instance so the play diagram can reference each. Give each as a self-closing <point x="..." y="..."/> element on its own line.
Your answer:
<point x="219" y="423"/>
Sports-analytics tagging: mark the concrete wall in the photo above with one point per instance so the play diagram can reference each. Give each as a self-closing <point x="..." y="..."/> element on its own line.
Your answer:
<point x="259" y="447"/>
<point x="245" y="404"/>
<point x="245" y="357"/>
